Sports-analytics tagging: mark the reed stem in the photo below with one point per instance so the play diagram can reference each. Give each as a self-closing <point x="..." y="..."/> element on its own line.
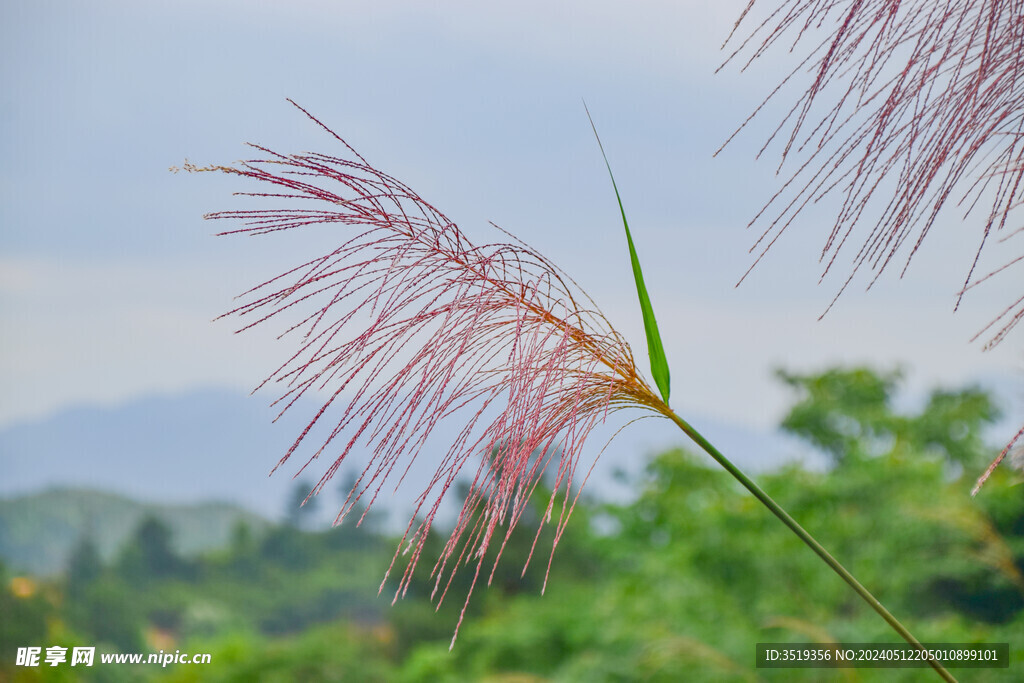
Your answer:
<point x="806" y="537"/>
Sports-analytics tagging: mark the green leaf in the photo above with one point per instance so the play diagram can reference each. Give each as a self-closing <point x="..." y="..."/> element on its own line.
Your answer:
<point x="659" y="365"/>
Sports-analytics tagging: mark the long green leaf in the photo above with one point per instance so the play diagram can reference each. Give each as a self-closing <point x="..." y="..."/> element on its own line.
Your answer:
<point x="659" y="365"/>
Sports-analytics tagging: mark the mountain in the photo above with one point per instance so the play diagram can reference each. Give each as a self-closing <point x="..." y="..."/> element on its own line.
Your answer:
<point x="171" y="455"/>
<point x="199" y="446"/>
<point x="39" y="531"/>
<point x="220" y="445"/>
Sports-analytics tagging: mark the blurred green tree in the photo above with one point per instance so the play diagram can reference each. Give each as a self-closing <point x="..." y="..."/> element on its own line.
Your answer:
<point x="150" y="553"/>
<point x="23" y="615"/>
<point x="302" y="507"/>
<point x="84" y="565"/>
<point x="849" y="413"/>
<point x="693" y="573"/>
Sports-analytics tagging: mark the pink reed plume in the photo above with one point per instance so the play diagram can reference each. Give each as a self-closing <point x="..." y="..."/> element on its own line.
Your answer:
<point x="922" y="101"/>
<point x="406" y="325"/>
<point x="910" y="103"/>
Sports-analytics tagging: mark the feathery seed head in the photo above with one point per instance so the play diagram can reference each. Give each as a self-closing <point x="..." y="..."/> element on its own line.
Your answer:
<point x="906" y="105"/>
<point x="406" y="325"/>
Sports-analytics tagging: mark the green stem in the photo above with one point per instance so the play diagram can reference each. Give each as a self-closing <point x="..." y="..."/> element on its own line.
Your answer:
<point x="806" y="538"/>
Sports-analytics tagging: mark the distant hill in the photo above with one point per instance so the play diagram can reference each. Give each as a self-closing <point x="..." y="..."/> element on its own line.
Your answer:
<point x="38" y="531"/>
<point x="181" y="451"/>
<point x="221" y="445"/>
<point x="186" y="448"/>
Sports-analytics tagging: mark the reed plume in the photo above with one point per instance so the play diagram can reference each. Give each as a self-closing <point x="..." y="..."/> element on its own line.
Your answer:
<point x="911" y="103"/>
<point x="407" y="325"/>
<point x="900" y="107"/>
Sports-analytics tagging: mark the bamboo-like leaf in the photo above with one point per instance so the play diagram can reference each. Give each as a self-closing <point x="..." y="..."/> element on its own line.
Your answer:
<point x="659" y="365"/>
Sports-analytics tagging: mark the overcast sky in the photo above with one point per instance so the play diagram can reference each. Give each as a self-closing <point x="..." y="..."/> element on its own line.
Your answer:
<point x="109" y="277"/>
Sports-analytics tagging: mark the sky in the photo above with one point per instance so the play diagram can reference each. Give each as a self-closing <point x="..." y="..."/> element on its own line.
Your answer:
<point x="110" y="279"/>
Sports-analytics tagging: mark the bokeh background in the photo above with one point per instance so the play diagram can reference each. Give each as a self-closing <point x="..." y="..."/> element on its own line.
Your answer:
<point x="133" y="463"/>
